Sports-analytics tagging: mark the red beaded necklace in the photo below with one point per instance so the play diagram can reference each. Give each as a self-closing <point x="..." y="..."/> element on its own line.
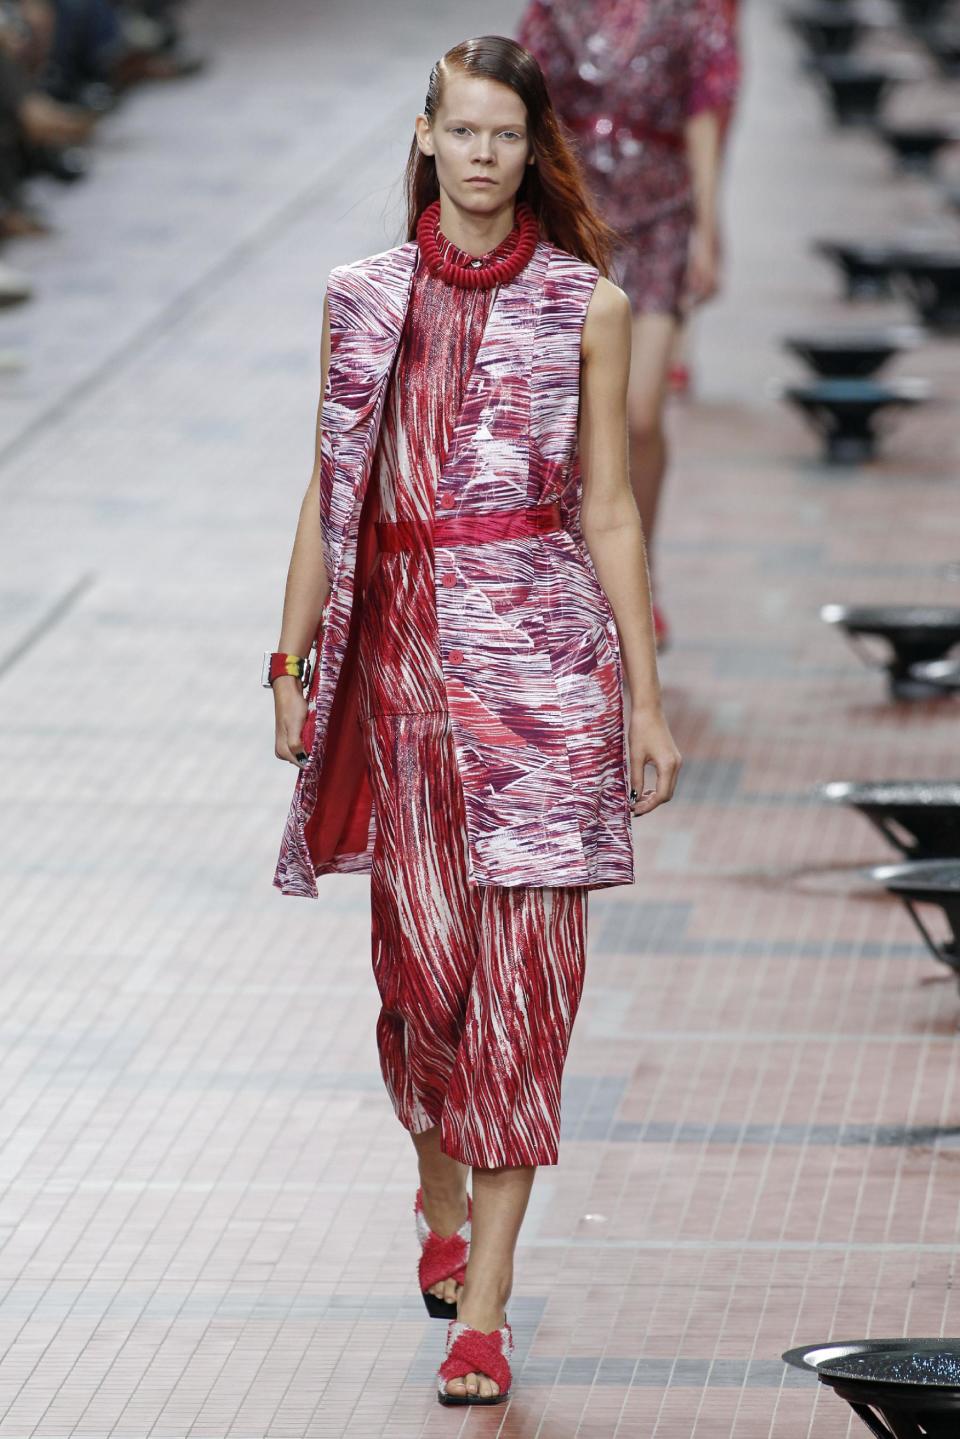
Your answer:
<point x="480" y="272"/>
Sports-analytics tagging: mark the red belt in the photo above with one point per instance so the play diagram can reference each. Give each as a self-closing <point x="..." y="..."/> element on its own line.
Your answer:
<point x="636" y="130"/>
<point x="396" y="536"/>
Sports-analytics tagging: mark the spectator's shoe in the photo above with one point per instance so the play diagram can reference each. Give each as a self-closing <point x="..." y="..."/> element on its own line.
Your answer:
<point x="442" y="1257"/>
<point x="173" y="64"/>
<point x="68" y="165"/>
<point x="470" y="1351"/>
<point x="14" y="287"/>
<point x="20" y="220"/>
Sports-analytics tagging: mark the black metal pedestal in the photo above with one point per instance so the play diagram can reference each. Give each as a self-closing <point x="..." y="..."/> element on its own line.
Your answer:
<point x="846" y="413"/>
<point x="944" y="45"/>
<point x="929" y="881"/>
<point x="920" y="819"/>
<point x="943" y="676"/>
<point x="914" y="634"/>
<point x="856" y="90"/>
<point x="867" y="269"/>
<point x="852" y="354"/>
<point x="900" y="1388"/>
<point x="916" y="148"/>
<point x="931" y="282"/>
<point x="828" y="29"/>
<point x="922" y="12"/>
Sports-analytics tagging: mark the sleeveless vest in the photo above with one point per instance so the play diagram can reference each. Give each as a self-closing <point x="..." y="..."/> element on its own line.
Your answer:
<point x="528" y="642"/>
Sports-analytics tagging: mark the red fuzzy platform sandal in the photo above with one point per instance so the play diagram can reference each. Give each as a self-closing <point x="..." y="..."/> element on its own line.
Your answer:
<point x="443" y="1257"/>
<point x="470" y="1351"/>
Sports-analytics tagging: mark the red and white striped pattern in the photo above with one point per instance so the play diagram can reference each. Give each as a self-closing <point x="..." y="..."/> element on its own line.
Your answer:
<point x="479" y="985"/>
<point x="529" y="648"/>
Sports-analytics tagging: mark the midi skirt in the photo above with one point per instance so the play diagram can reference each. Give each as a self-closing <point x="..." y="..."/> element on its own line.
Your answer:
<point x="479" y="985"/>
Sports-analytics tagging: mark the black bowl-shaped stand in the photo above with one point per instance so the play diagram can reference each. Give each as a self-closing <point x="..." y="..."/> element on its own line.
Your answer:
<point x="827" y="29"/>
<point x="867" y="270"/>
<point x="851" y="356"/>
<point x="915" y="148"/>
<point x="920" y="819"/>
<point x="929" y="881"/>
<point x="894" y="1412"/>
<point x="914" y="635"/>
<point x="846" y="414"/>
<point x="922" y="12"/>
<point x="900" y="1388"/>
<point x="944" y="47"/>
<point x="856" y="90"/>
<point x="943" y="676"/>
<point x="932" y="283"/>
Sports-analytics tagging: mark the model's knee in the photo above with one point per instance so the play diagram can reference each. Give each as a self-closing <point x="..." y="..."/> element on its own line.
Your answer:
<point x="645" y="426"/>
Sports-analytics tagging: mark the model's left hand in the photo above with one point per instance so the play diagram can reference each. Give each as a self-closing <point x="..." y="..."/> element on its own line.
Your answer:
<point x="703" y="266"/>
<point x="652" y="743"/>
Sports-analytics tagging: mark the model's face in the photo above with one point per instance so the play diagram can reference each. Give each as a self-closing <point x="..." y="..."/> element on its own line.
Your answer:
<point x="480" y="141"/>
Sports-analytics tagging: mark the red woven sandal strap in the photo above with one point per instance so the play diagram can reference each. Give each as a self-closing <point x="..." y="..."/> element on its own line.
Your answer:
<point x="443" y="1258"/>
<point x="473" y="1352"/>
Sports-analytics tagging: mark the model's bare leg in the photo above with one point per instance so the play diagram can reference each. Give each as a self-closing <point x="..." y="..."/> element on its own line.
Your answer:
<point x="500" y="1199"/>
<point x="444" y="1184"/>
<point x="654" y="337"/>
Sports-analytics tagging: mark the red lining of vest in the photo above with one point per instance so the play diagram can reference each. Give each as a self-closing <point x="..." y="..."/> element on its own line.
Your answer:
<point x="340" y="823"/>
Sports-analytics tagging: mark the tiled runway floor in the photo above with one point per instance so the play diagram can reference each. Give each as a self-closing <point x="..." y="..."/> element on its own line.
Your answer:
<point x="204" y="1196"/>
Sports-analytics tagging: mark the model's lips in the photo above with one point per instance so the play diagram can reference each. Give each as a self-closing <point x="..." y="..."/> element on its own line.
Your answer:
<point x="480" y="180"/>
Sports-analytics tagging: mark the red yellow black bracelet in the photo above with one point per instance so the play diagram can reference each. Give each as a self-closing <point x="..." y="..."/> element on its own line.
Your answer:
<point x="277" y="664"/>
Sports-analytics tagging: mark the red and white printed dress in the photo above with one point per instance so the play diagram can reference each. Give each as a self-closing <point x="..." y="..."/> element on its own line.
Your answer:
<point x="625" y="76"/>
<point x="479" y="985"/>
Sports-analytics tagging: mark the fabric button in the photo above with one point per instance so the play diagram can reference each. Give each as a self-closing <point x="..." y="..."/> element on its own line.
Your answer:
<point x="449" y="581"/>
<point x="446" y="499"/>
<point x="456" y="657"/>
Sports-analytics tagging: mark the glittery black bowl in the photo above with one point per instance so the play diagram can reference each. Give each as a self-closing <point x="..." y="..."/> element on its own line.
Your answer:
<point x="817" y="1357"/>
<point x="921" y="818"/>
<point x="940" y="1368"/>
<point x="857" y="354"/>
<point x="900" y="1388"/>
<point x="915" y="634"/>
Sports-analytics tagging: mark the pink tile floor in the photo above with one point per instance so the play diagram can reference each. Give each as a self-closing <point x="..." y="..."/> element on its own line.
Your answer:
<point x="205" y="1227"/>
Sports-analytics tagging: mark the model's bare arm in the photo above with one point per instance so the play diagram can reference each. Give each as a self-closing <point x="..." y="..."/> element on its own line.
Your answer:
<point x="703" y="153"/>
<point x="306" y="589"/>
<point x="614" y="534"/>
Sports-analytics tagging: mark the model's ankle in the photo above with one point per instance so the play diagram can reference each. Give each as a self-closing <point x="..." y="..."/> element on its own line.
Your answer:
<point x="443" y="1189"/>
<point x="487" y="1291"/>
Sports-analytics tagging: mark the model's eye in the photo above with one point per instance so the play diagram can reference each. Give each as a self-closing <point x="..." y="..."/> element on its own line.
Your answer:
<point x="459" y="130"/>
<point x="511" y="134"/>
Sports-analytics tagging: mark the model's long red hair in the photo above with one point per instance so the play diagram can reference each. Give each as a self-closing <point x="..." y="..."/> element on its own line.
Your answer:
<point x="554" y="187"/>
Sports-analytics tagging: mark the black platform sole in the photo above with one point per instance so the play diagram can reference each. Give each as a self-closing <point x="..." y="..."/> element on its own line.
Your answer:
<point x="439" y="1308"/>
<point x="453" y="1401"/>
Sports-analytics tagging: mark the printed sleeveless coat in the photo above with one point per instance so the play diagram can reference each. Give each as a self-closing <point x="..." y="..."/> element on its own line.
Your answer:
<point x="528" y="641"/>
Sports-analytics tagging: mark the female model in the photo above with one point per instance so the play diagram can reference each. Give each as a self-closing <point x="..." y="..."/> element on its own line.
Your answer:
<point x="462" y="737"/>
<point x="644" y="85"/>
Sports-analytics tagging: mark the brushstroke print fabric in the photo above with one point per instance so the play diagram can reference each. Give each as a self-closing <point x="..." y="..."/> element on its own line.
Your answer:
<point x="625" y="76"/>
<point x="479" y="986"/>
<point x="528" y="646"/>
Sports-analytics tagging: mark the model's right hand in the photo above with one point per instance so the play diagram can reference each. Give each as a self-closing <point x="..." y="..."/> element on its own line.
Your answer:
<point x="290" y="707"/>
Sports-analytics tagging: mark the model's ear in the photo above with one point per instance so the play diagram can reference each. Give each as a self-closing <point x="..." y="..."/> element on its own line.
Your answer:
<point x="424" y="135"/>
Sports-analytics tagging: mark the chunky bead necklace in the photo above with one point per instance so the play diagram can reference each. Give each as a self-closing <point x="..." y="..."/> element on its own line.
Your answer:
<point x="497" y="267"/>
